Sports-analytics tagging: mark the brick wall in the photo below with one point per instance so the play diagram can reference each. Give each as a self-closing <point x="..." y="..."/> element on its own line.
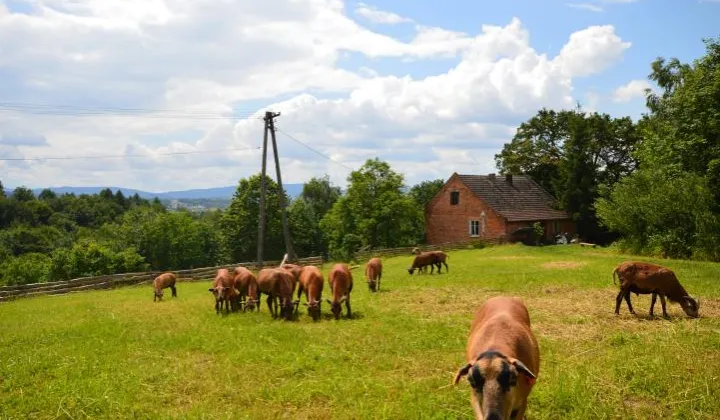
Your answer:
<point x="450" y="223"/>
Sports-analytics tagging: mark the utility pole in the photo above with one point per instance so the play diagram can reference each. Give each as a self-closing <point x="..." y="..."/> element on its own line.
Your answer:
<point x="270" y="127"/>
<point x="286" y="229"/>
<point x="263" y="192"/>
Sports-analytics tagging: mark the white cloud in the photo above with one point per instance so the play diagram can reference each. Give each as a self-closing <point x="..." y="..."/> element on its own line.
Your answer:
<point x="633" y="89"/>
<point x="379" y="16"/>
<point x="585" y="6"/>
<point x="591" y="51"/>
<point x="216" y="58"/>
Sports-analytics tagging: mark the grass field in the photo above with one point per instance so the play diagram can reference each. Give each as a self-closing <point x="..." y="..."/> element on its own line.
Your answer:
<point x="116" y="354"/>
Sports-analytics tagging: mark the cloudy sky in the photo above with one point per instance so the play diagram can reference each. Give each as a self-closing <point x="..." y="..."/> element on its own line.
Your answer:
<point x="432" y="87"/>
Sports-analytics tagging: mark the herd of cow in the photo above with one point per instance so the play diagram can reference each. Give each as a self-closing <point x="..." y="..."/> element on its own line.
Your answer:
<point x="503" y="356"/>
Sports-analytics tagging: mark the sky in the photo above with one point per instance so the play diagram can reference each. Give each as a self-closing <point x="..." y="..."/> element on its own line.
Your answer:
<point x="164" y="95"/>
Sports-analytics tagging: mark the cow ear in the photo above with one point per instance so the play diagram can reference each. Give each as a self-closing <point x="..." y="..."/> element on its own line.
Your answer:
<point x="210" y="289"/>
<point x="520" y="366"/>
<point x="461" y="372"/>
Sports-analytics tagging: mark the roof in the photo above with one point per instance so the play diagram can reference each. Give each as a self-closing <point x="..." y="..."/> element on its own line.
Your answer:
<point x="522" y="199"/>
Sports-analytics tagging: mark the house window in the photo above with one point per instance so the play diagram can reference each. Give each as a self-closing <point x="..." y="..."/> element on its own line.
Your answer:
<point x="454" y="198"/>
<point x="474" y="228"/>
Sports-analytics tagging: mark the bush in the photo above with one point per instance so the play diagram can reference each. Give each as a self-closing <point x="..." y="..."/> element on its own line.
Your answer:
<point x="25" y="269"/>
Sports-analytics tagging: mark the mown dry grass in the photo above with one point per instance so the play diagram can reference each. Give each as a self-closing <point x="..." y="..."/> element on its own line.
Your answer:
<point x="116" y="354"/>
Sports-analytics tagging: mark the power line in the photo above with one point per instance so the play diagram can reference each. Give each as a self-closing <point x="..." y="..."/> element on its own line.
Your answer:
<point x="70" y="110"/>
<point x="314" y="150"/>
<point x="130" y="156"/>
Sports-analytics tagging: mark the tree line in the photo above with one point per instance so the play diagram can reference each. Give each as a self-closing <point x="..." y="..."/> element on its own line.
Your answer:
<point x="50" y="238"/>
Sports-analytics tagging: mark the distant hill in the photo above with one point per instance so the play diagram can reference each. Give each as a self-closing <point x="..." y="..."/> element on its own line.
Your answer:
<point x="293" y="191"/>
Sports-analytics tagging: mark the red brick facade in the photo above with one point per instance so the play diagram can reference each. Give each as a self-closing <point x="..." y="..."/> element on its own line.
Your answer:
<point x="448" y="222"/>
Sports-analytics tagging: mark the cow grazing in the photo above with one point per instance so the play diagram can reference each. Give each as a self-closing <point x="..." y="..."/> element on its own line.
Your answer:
<point x="164" y="281"/>
<point x="373" y="273"/>
<point x="431" y="258"/>
<point x="311" y="282"/>
<point x="277" y="283"/>
<point x="246" y="284"/>
<point x="222" y="288"/>
<point x="503" y="359"/>
<point x="644" y="278"/>
<point x="341" y="284"/>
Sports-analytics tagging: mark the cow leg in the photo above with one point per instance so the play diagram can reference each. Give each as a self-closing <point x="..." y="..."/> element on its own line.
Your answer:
<point x="662" y="302"/>
<point x="347" y="306"/>
<point x="439" y="266"/>
<point x="652" y="305"/>
<point x="618" y="301"/>
<point x="270" y="306"/>
<point x="627" y="299"/>
<point x="378" y="282"/>
<point x="174" y="291"/>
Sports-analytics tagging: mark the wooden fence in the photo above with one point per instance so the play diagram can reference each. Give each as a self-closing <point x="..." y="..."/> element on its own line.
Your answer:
<point x="112" y="281"/>
<point x="365" y="254"/>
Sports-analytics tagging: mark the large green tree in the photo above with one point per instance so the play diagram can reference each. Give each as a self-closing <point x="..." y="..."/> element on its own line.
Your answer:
<point x="671" y="205"/>
<point x="305" y="213"/>
<point x="375" y="212"/>
<point x="423" y="192"/>
<point x="241" y="220"/>
<point x="571" y="154"/>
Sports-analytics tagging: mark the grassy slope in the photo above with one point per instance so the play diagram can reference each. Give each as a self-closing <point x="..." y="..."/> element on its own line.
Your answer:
<point x="115" y="354"/>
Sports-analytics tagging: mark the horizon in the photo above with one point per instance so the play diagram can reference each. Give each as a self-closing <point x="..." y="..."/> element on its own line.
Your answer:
<point x="151" y="96"/>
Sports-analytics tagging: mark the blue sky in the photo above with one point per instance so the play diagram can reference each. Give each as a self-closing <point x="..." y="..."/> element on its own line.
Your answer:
<point x="419" y="84"/>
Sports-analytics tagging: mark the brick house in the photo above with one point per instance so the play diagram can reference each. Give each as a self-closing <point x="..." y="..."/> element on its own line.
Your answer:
<point x="489" y="206"/>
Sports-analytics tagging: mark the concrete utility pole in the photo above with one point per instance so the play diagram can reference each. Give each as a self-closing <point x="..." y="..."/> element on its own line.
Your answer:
<point x="270" y="127"/>
<point x="263" y="192"/>
<point x="283" y="206"/>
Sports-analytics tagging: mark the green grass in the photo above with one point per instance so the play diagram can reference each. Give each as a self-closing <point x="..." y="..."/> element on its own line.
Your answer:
<point x="116" y="354"/>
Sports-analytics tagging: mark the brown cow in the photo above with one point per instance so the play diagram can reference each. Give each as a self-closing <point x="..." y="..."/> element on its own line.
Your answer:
<point x="341" y="284"/>
<point x="311" y="282"/>
<point x="373" y="273"/>
<point x="246" y="284"/>
<point x="277" y="283"/>
<point x="295" y="270"/>
<point x="161" y="282"/>
<point x="222" y="288"/>
<point x="503" y="359"/>
<point x="644" y="278"/>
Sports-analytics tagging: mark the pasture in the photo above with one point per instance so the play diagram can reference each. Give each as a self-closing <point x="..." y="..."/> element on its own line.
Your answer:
<point x="116" y="354"/>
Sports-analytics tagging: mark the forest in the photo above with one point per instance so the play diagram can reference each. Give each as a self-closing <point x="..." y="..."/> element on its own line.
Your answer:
<point x="649" y="187"/>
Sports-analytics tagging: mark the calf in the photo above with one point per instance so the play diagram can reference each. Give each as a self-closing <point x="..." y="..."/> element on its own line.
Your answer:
<point x="311" y="282"/>
<point x="277" y="283"/>
<point x="164" y="281"/>
<point x="222" y="288"/>
<point x="341" y="284"/>
<point x="644" y="278"/>
<point x="503" y="359"/>
<point x="373" y="273"/>
<point x="246" y="284"/>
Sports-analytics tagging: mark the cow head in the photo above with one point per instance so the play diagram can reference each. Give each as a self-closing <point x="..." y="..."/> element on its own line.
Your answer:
<point x="158" y="294"/>
<point x="494" y="380"/>
<point x="411" y="270"/>
<point x="314" y="309"/>
<point x="219" y="292"/>
<point x="690" y="306"/>
<point x="336" y="306"/>
<point x="372" y="284"/>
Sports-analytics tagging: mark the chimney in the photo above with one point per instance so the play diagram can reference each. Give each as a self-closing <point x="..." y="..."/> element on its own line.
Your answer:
<point x="491" y="176"/>
<point x="508" y="178"/>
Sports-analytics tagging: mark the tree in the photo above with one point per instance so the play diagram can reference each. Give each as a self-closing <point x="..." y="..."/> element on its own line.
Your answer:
<point x="47" y="195"/>
<point x="241" y="219"/>
<point x="374" y="210"/>
<point x="571" y="154"/>
<point x="423" y="192"/>
<point x="320" y="195"/>
<point x="23" y="194"/>
<point x="2" y="190"/>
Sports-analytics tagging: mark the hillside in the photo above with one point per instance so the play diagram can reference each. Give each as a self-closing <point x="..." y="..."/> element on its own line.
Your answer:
<point x="293" y="191"/>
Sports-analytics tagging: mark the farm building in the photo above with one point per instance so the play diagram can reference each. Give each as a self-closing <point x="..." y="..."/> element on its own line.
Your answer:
<point x="489" y="206"/>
